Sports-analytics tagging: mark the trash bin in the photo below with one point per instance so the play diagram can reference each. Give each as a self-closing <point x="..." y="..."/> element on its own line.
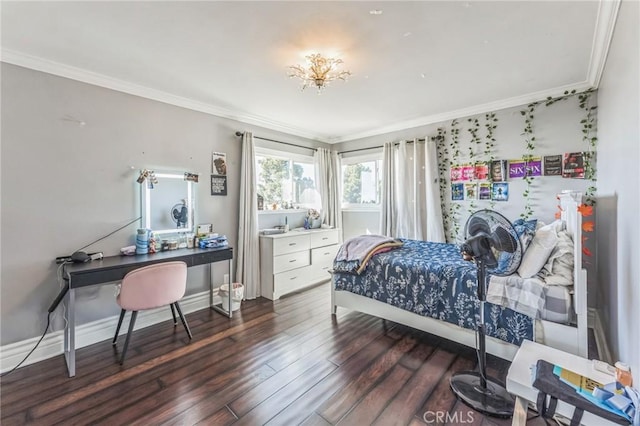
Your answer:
<point x="236" y="296"/>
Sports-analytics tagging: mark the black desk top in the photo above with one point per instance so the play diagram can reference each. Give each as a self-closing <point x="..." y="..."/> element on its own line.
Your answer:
<point x="114" y="268"/>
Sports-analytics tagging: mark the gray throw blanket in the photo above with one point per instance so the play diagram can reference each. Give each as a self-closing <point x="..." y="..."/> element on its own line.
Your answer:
<point x="524" y="295"/>
<point x="357" y="248"/>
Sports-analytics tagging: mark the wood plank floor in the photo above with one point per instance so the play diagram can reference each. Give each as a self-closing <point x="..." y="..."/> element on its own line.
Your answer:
<point x="278" y="363"/>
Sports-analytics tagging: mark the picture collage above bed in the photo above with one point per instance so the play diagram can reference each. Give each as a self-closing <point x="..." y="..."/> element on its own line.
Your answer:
<point x="515" y="161"/>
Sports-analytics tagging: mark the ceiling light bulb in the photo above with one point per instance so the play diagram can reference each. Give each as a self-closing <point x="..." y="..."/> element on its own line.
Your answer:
<point x="375" y="12"/>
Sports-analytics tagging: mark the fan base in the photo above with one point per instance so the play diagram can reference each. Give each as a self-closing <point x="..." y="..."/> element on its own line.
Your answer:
<point x="493" y="401"/>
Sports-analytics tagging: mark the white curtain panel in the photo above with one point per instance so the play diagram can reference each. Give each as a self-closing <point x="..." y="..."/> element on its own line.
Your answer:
<point x="410" y="192"/>
<point x="327" y="165"/>
<point x="388" y="196"/>
<point x="248" y="252"/>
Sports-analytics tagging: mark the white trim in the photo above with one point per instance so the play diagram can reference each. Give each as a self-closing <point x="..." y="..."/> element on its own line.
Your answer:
<point x="605" y="25"/>
<point x="90" y="77"/>
<point x="466" y="112"/>
<point x="601" y="337"/>
<point x="93" y="332"/>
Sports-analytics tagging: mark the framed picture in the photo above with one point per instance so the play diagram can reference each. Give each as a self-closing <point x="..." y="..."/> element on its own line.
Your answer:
<point x="484" y="191"/>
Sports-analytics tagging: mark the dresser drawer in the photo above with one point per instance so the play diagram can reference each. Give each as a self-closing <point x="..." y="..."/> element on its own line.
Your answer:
<point x="290" y="244"/>
<point x="289" y="261"/>
<point x="289" y="281"/>
<point x="324" y="255"/>
<point x="324" y="238"/>
<point x="319" y="272"/>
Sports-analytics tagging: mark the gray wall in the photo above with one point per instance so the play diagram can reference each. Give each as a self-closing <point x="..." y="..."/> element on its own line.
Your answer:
<point x="618" y="188"/>
<point x="65" y="185"/>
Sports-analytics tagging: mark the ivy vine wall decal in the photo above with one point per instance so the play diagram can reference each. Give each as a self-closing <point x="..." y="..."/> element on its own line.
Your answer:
<point x="452" y="154"/>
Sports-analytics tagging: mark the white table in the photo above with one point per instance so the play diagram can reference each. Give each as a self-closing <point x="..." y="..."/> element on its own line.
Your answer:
<point x="519" y="380"/>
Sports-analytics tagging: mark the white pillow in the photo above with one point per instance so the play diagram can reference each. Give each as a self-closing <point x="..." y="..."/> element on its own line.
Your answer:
<point x="539" y="250"/>
<point x="559" y="267"/>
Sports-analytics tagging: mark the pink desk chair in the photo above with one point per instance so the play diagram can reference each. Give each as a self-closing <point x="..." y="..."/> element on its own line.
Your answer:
<point x="151" y="287"/>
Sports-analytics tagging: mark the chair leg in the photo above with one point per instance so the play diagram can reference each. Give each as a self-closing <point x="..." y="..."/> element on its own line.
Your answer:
<point x="134" y="315"/>
<point x="184" y="320"/>
<point x="173" y="312"/>
<point x="122" y="312"/>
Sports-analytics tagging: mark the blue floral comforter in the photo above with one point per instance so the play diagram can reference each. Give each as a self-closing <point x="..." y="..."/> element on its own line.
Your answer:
<point x="432" y="279"/>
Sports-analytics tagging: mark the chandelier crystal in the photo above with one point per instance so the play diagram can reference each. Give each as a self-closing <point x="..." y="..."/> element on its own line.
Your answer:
<point x="319" y="71"/>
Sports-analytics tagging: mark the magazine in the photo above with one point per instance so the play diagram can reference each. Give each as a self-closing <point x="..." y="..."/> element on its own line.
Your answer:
<point x="482" y="171"/>
<point x="468" y="172"/>
<point x="456" y="173"/>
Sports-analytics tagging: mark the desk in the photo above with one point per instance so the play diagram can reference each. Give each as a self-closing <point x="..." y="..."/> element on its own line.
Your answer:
<point x="114" y="268"/>
<point x="519" y="380"/>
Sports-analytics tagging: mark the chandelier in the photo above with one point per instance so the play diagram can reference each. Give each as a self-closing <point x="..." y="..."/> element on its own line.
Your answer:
<point x="318" y="72"/>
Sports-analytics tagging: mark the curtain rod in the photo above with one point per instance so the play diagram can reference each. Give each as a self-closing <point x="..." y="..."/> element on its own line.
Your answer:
<point x="238" y="133"/>
<point x="376" y="147"/>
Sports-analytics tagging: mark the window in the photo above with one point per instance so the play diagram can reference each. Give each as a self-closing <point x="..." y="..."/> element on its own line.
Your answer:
<point x="285" y="181"/>
<point x="361" y="181"/>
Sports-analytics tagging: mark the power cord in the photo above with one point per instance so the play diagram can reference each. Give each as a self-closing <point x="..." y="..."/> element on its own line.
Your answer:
<point x="34" y="348"/>
<point x="110" y="234"/>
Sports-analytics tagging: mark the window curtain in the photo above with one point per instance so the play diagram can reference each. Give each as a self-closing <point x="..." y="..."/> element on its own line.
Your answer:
<point x="248" y="254"/>
<point x="327" y="166"/>
<point x="410" y="192"/>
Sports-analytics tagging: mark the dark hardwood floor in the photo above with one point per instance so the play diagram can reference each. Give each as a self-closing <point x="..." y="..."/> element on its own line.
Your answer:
<point x="279" y="363"/>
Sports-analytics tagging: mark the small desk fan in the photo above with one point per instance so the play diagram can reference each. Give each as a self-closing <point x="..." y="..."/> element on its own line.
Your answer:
<point x="489" y="236"/>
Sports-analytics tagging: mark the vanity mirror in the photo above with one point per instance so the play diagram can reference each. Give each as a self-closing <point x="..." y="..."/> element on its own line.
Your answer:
<point x="168" y="203"/>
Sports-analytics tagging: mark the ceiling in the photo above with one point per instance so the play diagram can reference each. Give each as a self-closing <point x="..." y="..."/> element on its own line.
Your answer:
<point x="417" y="62"/>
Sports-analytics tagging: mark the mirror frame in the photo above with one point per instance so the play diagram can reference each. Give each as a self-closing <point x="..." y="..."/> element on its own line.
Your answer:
<point x="146" y="204"/>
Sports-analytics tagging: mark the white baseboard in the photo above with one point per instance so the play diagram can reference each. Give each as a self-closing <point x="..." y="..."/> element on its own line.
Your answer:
<point x="600" y="336"/>
<point x="87" y="334"/>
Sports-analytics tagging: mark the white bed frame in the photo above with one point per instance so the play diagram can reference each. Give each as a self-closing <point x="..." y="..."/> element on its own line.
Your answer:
<point x="572" y="339"/>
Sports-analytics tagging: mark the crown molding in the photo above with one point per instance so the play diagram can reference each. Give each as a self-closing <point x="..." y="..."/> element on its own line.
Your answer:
<point x="602" y="35"/>
<point x="79" y="74"/>
<point x="469" y="111"/>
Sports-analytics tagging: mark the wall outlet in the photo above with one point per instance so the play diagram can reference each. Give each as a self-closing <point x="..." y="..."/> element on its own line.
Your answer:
<point x="226" y="278"/>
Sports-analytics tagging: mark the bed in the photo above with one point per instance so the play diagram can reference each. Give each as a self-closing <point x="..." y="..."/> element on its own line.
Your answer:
<point x="428" y="286"/>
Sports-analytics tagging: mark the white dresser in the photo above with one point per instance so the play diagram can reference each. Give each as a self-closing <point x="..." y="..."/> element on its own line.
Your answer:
<point x="297" y="259"/>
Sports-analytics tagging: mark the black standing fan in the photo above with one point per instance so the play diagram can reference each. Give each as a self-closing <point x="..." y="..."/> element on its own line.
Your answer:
<point x="489" y="236"/>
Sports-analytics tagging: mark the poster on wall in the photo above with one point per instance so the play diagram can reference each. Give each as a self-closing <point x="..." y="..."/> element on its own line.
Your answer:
<point x="482" y="171"/>
<point x="219" y="173"/>
<point x="218" y="185"/>
<point x="500" y="191"/>
<point x="516" y="169"/>
<point x="468" y="172"/>
<point x="484" y="191"/>
<point x="499" y="170"/>
<point x="553" y="165"/>
<point x="456" y="173"/>
<point x="573" y="165"/>
<point x="457" y="191"/>
<point x="470" y="191"/>
<point x="522" y="168"/>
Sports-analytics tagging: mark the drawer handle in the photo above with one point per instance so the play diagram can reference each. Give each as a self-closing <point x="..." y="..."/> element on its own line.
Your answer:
<point x="291" y="261"/>
<point x="292" y="278"/>
<point x="292" y="244"/>
<point x="325" y="268"/>
<point x="327" y="253"/>
<point x="325" y="238"/>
